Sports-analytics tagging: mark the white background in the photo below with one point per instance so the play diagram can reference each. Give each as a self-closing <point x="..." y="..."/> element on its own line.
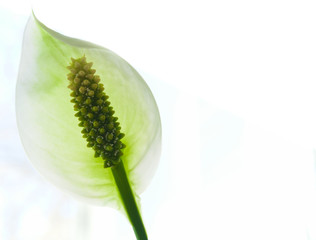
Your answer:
<point x="235" y="85"/>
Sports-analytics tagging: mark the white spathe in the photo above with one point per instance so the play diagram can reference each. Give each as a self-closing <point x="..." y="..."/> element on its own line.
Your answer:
<point x="50" y="132"/>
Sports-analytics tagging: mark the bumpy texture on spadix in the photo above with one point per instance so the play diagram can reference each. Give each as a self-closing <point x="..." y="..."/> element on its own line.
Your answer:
<point x="100" y="128"/>
<point x="49" y="128"/>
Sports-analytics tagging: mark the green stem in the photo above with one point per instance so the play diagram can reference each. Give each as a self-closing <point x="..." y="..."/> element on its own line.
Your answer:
<point x="129" y="202"/>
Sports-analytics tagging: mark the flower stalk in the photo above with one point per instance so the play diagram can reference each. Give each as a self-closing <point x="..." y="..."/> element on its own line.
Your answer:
<point x="128" y="200"/>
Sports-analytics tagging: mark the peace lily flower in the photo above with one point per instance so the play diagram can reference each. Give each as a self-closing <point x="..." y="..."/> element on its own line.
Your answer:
<point x="87" y="120"/>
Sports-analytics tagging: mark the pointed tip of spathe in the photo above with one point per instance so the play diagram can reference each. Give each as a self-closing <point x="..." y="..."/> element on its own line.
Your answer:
<point x="33" y="13"/>
<point x="34" y="16"/>
<point x="42" y="25"/>
<point x="55" y="34"/>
